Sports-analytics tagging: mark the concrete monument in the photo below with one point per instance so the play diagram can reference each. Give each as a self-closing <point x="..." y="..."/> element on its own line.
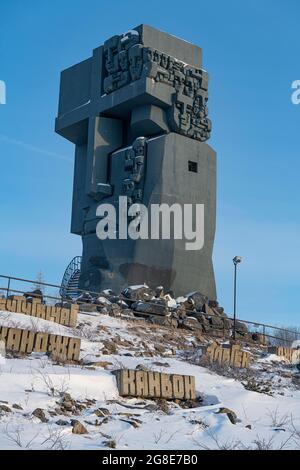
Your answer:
<point x="137" y="113"/>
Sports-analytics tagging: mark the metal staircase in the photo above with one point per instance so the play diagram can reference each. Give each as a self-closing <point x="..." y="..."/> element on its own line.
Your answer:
<point x="70" y="281"/>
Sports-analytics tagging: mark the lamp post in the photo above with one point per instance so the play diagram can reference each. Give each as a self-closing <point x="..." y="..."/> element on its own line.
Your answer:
<point x="236" y="260"/>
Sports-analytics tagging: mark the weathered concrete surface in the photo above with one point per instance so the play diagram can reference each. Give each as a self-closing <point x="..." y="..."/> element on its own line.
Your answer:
<point x="142" y="93"/>
<point x="26" y="341"/>
<point x="35" y="308"/>
<point x="138" y="383"/>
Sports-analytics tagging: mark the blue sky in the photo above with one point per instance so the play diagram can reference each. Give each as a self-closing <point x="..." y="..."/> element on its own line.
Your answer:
<point x="251" y="51"/>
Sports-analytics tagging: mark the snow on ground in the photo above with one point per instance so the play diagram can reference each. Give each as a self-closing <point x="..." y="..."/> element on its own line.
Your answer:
<point x="269" y="419"/>
<point x="27" y="322"/>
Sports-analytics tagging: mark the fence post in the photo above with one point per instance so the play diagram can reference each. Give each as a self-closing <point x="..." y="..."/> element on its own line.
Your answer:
<point x="8" y="287"/>
<point x="264" y="334"/>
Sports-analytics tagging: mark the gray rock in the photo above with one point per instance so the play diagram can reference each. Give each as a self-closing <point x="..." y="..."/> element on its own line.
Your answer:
<point x="213" y="304"/>
<point x="137" y="293"/>
<point x="191" y="323"/>
<point x="208" y="310"/>
<point x="102" y="412"/>
<point x="161" y="364"/>
<point x="62" y="422"/>
<point x="114" y="310"/>
<point x="17" y="407"/>
<point x="156" y="306"/>
<point x="159" y="291"/>
<point x="128" y="312"/>
<point x="180" y="313"/>
<point x="217" y="322"/>
<point x="87" y="307"/>
<point x="35" y="294"/>
<point x="85" y="297"/>
<point x="78" y="427"/>
<point x="142" y="367"/>
<point x="5" y="408"/>
<point x="40" y="414"/>
<point x="200" y="317"/>
<point x="164" y="320"/>
<point x="230" y="414"/>
<point x="198" y="300"/>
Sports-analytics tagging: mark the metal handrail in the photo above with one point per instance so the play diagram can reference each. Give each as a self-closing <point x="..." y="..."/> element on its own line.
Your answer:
<point x="61" y="299"/>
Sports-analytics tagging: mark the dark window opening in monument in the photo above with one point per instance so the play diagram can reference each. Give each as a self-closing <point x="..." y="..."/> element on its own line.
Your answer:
<point x="193" y="166"/>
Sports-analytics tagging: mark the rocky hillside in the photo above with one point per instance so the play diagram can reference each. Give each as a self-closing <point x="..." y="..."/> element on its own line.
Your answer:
<point x="48" y="405"/>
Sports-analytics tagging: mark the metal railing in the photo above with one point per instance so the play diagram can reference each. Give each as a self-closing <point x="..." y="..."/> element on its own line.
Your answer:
<point x="276" y="335"/>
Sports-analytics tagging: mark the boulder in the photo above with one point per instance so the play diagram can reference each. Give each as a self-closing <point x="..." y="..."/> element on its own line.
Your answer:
<point x="67" y="401"/>
<point x="216" y="333"/>
<point x="180" y="312"/>
<point x="171" y="302"/>
<point x="170" y="293"/>
<point x="102" y="301"/>
<point x="191" y="323"/>
<point x="217" y="322"/>
<point x="230" y="414"/>
<point x="187" y="304"/>
<point x="35" y="294"/>
<point x="63" y="304"/>
<point x="156" y="306"/>
<point x="114" y="310"/>
<point x="62" y="422"/>
<point x="219" y="311"/>
<point x="110" y="346"/>
<point x="107" y="293"/>
<point x="198" y="300"/>
<point x="78" y="427"/>
<point x="85" y="297"/>
<point x="135" y="293"/>
<point x="127" y="312"/>
<point x="102" y="412"/>
<point x="159" y="292"/>
<point x="5" y="408"/>
<point x="87" y="307"/>
<point x="40" y="414"/>
<point x="201" y="318"/>
<point x="164" y="320"/>
<point x="208" y="310"/>
<point x="115" y="299"/>
<point x="16" y="406"/>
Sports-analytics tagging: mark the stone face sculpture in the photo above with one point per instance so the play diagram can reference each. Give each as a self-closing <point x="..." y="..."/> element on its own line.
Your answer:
<point x="127" y="61"/>
<point x="137" y="112"/>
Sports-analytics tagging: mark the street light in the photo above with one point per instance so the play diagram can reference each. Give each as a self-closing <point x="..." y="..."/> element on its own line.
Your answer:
<point x="236" y="260"/>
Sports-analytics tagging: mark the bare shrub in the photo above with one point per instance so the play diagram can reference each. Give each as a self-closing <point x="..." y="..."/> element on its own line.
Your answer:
<point x="56" y="440"/>
<point x="261" y="443"/>
<point x="278" y="420"/>
<point x="229" y="444"/>
<point x="158" y="436"/>
<point x="46" y="380"/>
<point x="91" y="334"/>
<point x="16" y="434"/>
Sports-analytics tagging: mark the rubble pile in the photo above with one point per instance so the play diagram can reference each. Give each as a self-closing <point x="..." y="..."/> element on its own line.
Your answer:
<point x="195" y="311"/>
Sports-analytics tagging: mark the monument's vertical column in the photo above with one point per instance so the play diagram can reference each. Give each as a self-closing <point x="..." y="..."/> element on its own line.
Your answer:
<point x="104" y="136"/>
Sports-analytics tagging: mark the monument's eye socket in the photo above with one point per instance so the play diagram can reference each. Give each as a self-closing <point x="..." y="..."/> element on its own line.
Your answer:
<point x="193" y="166"/>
